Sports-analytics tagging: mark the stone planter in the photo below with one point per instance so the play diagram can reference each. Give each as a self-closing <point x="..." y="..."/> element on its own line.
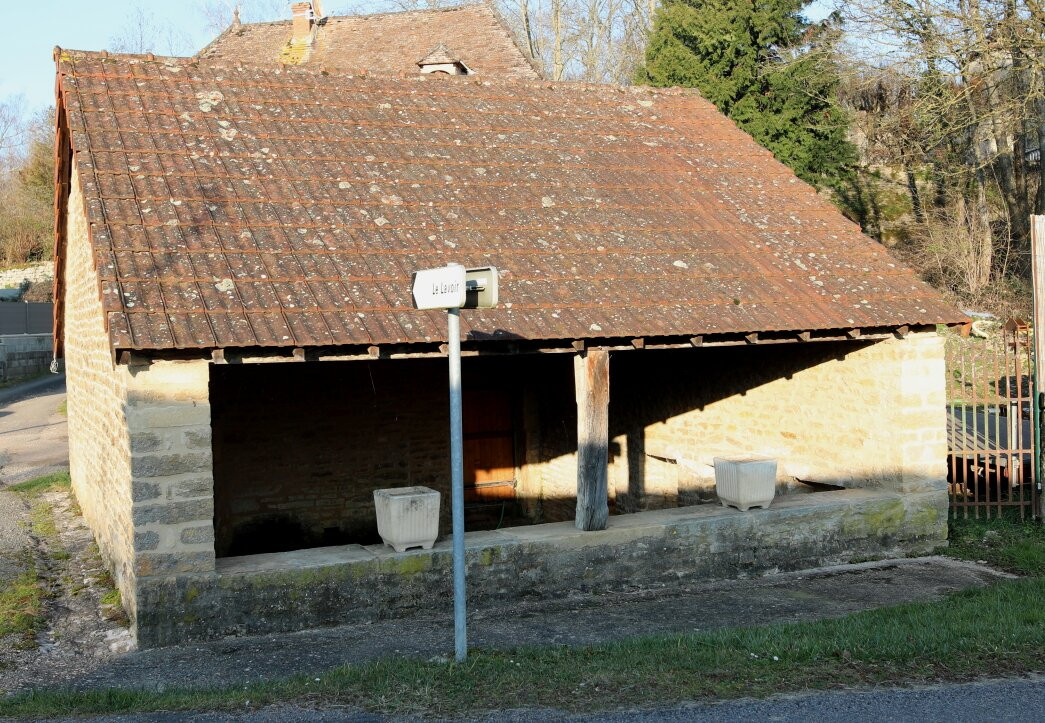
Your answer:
<point x="407" y="517"/>
<point x="745" y="482"/>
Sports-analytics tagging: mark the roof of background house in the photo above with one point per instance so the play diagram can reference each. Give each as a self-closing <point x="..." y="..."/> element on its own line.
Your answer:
<point x="242" y="206"/>
<point x="387" y="42"/>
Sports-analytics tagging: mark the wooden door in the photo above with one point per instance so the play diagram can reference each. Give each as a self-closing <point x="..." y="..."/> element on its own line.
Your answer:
<point x="489" y="446"/>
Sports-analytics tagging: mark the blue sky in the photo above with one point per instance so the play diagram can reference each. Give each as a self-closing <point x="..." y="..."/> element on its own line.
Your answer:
<point x="31" y="30"/>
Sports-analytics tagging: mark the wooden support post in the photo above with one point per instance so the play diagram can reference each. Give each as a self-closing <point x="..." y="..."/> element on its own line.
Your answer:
<point x="1037" y="245"/>
<point x="591" y="373"/>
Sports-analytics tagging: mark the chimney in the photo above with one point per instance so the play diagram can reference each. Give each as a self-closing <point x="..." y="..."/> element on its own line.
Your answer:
<point x="302" y="24"/>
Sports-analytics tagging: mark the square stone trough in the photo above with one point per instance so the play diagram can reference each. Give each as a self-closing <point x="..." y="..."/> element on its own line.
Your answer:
<point x="351" y="584"/>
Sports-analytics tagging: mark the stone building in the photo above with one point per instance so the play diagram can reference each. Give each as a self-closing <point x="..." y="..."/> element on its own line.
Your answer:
<point x="234" y="252"/>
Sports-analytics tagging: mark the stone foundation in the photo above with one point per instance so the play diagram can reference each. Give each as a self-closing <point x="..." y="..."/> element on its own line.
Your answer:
<point x="351" y="584"/>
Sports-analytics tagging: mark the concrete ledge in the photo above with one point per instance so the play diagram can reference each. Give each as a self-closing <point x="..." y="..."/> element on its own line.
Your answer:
<point x="352" y="584"/>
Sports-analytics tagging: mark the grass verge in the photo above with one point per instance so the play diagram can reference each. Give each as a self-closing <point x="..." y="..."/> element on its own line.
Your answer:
<point x="47" y="483"/>
<point x="21" y="605"/>
<point x="1004" y="542"/>
<point x="22" y="598"/>
<point x="989" y="631"/>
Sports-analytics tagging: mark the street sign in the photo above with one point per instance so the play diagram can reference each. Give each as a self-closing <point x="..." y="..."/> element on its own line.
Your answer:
<point x="481" y="288"/>
<point x="451" y="288"/>
<point x="442" y="288"/>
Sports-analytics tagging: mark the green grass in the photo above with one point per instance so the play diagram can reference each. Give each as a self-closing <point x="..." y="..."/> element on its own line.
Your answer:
<point x="63" y="408"/>
<point x="41" y="516"/>
<point x="994" y="630"/>
<point x="21" y="605"/>
<point x="21" y="599"/>
<point x="1006" y="542"/>
<point x="47" y="483"/>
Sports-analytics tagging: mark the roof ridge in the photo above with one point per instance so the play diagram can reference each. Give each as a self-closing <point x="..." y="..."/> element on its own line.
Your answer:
<point x="415" y="11"/>
<point x="63" y="54"/>
<point x="361" y="16"/>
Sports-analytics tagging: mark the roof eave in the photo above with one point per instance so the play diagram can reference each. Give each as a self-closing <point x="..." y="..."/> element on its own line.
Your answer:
<point x="493" y="346"/>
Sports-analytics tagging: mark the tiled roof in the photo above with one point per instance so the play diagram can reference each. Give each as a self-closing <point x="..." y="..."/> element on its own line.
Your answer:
<point x="440" y="55"/>
<point x="381" y="43"/>
<point x="242" y="206"/>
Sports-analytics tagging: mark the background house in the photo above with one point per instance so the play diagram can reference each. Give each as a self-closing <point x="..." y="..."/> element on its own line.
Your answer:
<point x="234" y="250"/>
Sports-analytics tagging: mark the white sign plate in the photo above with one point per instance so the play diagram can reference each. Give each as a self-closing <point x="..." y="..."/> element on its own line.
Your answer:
<point x="442" y="288"/>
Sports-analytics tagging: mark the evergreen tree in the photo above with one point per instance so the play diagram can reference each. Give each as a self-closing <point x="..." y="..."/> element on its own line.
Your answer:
<point x="762" y="64"/>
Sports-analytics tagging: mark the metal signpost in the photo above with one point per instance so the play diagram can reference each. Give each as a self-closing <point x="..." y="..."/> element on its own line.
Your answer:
<point x="452" y="287"/>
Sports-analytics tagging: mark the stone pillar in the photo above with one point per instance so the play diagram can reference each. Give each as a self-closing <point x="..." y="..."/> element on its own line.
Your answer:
<point x="172" y="478"/>
<point x="920" y="423"/>
<point x="592" y="380"/>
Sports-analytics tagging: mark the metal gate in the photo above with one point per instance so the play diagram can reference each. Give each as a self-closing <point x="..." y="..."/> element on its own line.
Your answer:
<point x="991" y="422"/>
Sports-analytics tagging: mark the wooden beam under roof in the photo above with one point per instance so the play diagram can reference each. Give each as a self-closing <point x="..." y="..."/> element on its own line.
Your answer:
<point x="484" y="347"/>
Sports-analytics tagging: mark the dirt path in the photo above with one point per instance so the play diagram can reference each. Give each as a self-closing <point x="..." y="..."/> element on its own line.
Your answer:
<point x="76" y="632"/>
<point x="46" y="546"/>
<point x="33" y="437"/>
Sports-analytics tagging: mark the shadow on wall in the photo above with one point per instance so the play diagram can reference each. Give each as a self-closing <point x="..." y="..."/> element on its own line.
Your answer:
<point x="299" y="447"/>
<point x="650" y="389"/>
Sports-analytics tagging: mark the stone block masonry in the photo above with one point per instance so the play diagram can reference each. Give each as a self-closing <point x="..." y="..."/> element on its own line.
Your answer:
<point x="351" y="584"/>
<point x="172" y="476"/>
<point x="99" y="442"/>
<point x="24" y="355"/>
<point x="851" y="414"/>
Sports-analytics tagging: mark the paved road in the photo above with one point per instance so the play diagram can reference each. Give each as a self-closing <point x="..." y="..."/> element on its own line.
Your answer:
<point x="1005" y="700"/>
<point x="33" y="435"/>
<point x="996" y="700"/>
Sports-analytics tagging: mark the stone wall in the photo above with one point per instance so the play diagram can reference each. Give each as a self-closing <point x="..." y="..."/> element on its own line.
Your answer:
<point x="33" y="273"/>
<point x="850" y="414"/>
<point x="300" y="448"/>
<point x="172" y="478"/>
<point x="139" y="439"/>
<point x="661" y="549"/>
<point x="99" y="444"/>
<point x="24" y="355"/>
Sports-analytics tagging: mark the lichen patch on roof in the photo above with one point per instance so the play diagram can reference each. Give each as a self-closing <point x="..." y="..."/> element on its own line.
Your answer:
<point x="248" y="206"/>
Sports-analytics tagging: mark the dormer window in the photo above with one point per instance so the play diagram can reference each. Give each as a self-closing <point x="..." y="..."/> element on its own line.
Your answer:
<point x="442" y="60"/>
